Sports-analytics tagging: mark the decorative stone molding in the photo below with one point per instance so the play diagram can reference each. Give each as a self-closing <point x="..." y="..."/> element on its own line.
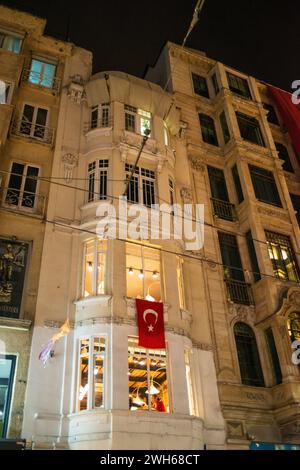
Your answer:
<point x="290" y="302"/>
<point x="183" y="129"/>
<point x="235" y="429"/>
<point x="76" y="89"/>
<point x="57" y="324"/>
<point x="196" y="164"/>
<point x="211" y="264"/>
<point x="272" y="213"/>
<point x="70" y="162"/>
<point x="15" y="323"/>
<point x="202" y="346"/>
<point x="186" y="316"/>
<point x="186" y="195"/>
<point x="242" y="313"/>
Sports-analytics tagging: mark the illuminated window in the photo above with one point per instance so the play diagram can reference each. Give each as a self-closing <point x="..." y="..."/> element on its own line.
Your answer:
<point x="42" y="73"/>
<point x="137" y="120"/>
<point x="141" y="188"/>
<point x="187" y="361"/>
<point x="100" y="116"/>
<point x="91" y="373"/>
<point x="143" y="272"/>
<point x="282" y="255"/>
<point x="10" y="42"/>
<point x="97" y="180"/>
<point x="147" y="378"/>
<point x="294" y="326"/>
<point x="180" y="283"/>
<point x="94" y="267"/>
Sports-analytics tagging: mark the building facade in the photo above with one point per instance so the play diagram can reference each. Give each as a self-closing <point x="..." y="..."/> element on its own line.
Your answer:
<point x="245" y="170"/>
<point x="32" y="67"/>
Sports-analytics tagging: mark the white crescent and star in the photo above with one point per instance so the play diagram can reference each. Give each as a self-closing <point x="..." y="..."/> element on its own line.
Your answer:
<point x="148" y="312"/>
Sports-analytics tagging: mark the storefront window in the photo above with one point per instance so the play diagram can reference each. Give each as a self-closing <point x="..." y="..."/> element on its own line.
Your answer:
<point x="143" y="272"/>
<point x="7" y="370"/>
<point x="147" y="379"/>
<point x="94" y="267"/>
<point x="187" y="360"/>
<point x="91" y="373"/>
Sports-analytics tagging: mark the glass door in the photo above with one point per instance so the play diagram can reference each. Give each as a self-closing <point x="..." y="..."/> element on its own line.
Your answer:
<point x="7" y="372"/>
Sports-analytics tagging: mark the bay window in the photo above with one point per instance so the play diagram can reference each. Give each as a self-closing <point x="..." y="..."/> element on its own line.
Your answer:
<point x="94" y="267"/>
<point x="282" y="255"/>
<point x="250" y="129"/>
<point x="143" y="272"/>
<point x="147" y="378"/>
<point x="264" y="185"/>
<point x="239" y="86"/>
<point x="100" y="116"/>
<point x="92" y="365"/>
<point x="97" y="180"/>
<point x="137" y="120"/>
<point x="141" y="188"/>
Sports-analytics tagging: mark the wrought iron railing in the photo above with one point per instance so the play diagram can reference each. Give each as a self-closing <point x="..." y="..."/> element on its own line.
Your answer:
<point x="25" y="201"/>
<point x="100" y="123"/>
<point x="41" y="79"/>
<point x="224" y="210"/>
<point x="239" y="292"/>
<point x="24" y="128"/>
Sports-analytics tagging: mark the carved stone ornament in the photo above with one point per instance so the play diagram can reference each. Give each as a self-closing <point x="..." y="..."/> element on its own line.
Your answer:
<point x="70" y="162"/>
<point x="76" y="89"/>
<point x="242" y="313"/>
<point x="186" y="195"/>
<point x="272" y="213"/>
<point x="196" y="164"/>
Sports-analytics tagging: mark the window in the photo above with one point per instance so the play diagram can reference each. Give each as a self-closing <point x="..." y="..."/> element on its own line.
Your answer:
<point x="97" y="180"/>
<point x="271" y="116"/>
<point x="94" y="267"/>
<point x="7" y="374"/>
<point x="22" y="186"/>
<point x="171" y="192"/>
<point x="141" y="189"/>
<point x="282" y="255"/>
<point x="250" y="129"/>
<point x="253" y="257"/>
<point x="147" y="378"/>
<point x="294" y="326"/>
<point x="284" y="155"/>
<point x="249" y="361"/>
<point x="200" y="85"/>
<point x="10" y="42"/>
<point x="239" y="86"/>
<point x="237" y="289"/>
<point x="224" y="127"/>
<point x="215" y="83"/>
<point x="100" y="116"/>
<point x="42" y="73"/>
<point x="264" y="186"/>
<point x="296" y="205"/>
<point x="273" y="354"/>
<point x="180" y="283"/>
<point x="5" y="92"/>
<point x="33" y="123"/>
<point x="137" y="120"/>
<point x="221" y="205"/>
<point x="92" y="365"/>
<point x="237" y="184"/>
<point x="209" y="134"/>
<point x="143" y="272"/>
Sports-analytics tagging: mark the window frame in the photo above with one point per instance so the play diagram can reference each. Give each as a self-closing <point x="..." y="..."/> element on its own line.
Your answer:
<point x="34" y="125"/>
<point x="199" y="90"/>
<point x="274" y="243"/>
<point x="102" y="121"/>
<point x="95" y="268"/>
<point x="101" y="174"/>
<point x="138" y="116"/>
<point x="44" y="61"/>
<point x="238" y="91"/>
<point x="260" y="381"/>
<point x="209" y="134"/>
<point x="139" y="182"/>
<point x="19" y="206"/>
<point x="250" y="121"/>
<point x="10" y="393"/>
<point x="261" y="175"/>
<point x="11" y="34"/>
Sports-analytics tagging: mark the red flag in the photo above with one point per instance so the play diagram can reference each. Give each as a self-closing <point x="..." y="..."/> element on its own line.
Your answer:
<point x="290" y="114"/>
<point x="150" y="318"/>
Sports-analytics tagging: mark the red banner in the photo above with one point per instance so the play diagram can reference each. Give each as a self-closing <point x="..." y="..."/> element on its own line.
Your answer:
<point x="150" y="319"/>
<point x="290" y="114"/>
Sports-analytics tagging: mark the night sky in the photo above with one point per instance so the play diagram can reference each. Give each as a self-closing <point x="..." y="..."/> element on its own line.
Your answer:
<point x="258" y="37"/>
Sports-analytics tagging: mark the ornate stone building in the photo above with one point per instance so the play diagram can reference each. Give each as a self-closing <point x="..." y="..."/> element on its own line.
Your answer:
<point x="243" y="167"/>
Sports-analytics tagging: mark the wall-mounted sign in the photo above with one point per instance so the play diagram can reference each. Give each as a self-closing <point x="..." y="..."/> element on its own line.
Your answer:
<point x="13" y="263"/>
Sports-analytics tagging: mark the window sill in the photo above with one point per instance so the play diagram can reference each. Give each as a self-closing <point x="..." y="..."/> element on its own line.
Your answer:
<point x="95" y="299"/>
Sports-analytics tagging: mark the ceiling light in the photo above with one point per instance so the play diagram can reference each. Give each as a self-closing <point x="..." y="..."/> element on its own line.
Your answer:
<point x="130" y="271"/>
<point x="90" y="266"/>
<point x="155" y="275"/>
<point x="141" y="274"/>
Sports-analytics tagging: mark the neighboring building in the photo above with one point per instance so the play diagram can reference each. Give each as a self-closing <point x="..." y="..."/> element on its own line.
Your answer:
<point x="243" y="167"/>
<point x="32" y="68"/>
<point x="93" y="393"/>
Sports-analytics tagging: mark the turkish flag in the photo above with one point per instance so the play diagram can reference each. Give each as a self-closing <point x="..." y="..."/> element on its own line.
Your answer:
<point x="150" y="319"/>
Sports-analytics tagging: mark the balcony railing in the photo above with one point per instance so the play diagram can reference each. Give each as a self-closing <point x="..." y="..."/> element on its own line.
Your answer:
<point x="103" y="123"/>
<point x="31" y="130"/>
<point x="41" y="79"/>
<point x="239" y="292"/>
<point x="24" y="201"/>
<point x="224" y="210"/>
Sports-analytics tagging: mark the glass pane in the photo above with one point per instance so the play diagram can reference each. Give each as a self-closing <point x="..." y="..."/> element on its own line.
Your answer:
<point x="12" y="44"/>
<point x="89" y="268"/>
<point x="27" y="119"/>
<point x="158" y="383"/>
<point x="135" y="284"/>
<point x="145" y="125"/>
<point x="102" y="246"/>
<point x="99" y="345"/>
<point x="98" y="372"/>
<point x="40" y="123"/>
<point x="30" y="187"/>
<point x="137" y="380"/>
<point x="152" y="274"/>
<point x="14" y="185"/>
<point x="7" y="365"/>
<point x="83" y="382"/>
<point x="48" y="75"/>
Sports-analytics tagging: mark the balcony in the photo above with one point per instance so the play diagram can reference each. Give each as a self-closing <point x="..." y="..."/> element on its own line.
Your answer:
<point x="239" y="292"/>
<point x="31" y="130"/>
<point x="23" y="201"/>
<point x="42" y="80"/>
<point x="224" y="210"/>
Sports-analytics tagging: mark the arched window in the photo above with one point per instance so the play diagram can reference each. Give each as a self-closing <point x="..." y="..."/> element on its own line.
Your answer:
<point x="250" y="367"/>
<point x="294" y="326"/>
